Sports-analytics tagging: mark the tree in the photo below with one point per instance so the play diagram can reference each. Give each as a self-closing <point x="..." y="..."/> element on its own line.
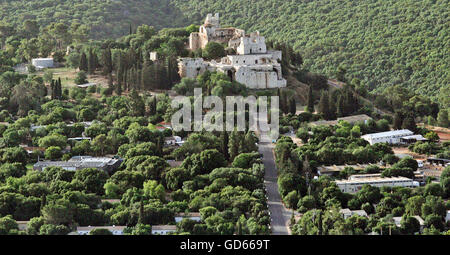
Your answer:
<point x="409" y="225"/>
<point x="324" y="106"/>
<point x="100" y="231"/>
<point x="291" y="199"/>
<point x="433" y="189"/>
<point x="233" y="144"/>
<point x="92" y="62"/>
<point x="292" y="106"/>
<point x="83" y="62"/>
<point x="310" y="100"/>
<point x="53" y="153"/>
<point x="101" y="143"/>
<point x="442" y="118"/>
<point x="340" y="74"/>
<point x="81" y="78"/>
<point x="175" y="178"/>
<point x="52" y="229"/>
<point x="107" y="61"/>
<point x="398" y="120"/>
<point x="409" y="123"/>
<point x="91" y="179"/>
<point x="58" y="213"/>
<point x="7" y="224"/>
<point x="414" y="205"/>
<point x="154" y="190"/>
<point x="213" y="50"/>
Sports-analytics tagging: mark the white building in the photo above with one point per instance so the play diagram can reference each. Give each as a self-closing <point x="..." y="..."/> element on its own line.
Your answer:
<point x="252" y="65"/>
<point x="41" y="63"/>
<point x="354" y="185"/>
<point x="195" y="216"/>
<point x="173" y="140"/>
<point x="115" y="230"/>
<point x="22" y="224"/>
<point x="391" y="137"/>
<point x="347" y="213"/>
<point x="81" y="162"/>
<point x="163" y="229"/>
<point x="447" y="217"/>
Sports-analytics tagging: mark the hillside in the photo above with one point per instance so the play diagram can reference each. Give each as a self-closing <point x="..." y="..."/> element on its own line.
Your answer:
<point x="383" y="43"/>
<point x="110" y="18"/>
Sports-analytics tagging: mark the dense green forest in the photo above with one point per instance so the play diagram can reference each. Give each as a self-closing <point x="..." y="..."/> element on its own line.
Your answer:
<point x="110" y="18"/>
<point x="383" y="43"/>
<point x="380" y="42"/>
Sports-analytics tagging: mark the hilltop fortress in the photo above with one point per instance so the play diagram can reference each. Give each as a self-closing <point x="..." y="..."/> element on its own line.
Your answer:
<point x="253" y="65"/>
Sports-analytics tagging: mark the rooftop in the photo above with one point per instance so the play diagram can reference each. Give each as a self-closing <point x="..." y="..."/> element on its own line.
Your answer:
<point x="80" y="162"/>
<point x="164" y="227"/>
<point x="373" y="179"/>
<point x="402" y="132"/>
<point x="190" y="214"/>
<point x="110" y="228"/>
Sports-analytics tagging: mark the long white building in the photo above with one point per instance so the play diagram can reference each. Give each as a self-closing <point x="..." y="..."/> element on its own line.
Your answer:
<point x="391" y="137"/>
<point x="353" y="185"/>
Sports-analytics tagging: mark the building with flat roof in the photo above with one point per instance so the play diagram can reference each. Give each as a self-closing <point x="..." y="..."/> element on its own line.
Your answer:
<point x="195" y="216"/>
<point x="391" y="137"/>
<point x="41" y="63"/>
<point x="163" y="229"/>
<point x="115" y="230"/>
<point x="354" y="185"/>
<point x="81" y="162"/>
<point x="347" y="213"/>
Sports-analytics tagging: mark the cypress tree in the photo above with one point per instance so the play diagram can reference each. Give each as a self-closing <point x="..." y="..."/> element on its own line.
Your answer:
<point x="59" y="89"/>
<point x="310" y="102"/>
<point x="141" y="212"/>
<point x="292" y="106"/>
<point x="91" y="62"/>
<point x="250" y="142"/>
<point x="83" y="62"/>
<point x="107" y="61"/>
<point x="52" y="89"/>
<point x="324" y="105"/>
<point x="398" y="120"/>
<point x="118" y="89"/>
<point x="233" y="145"/>
<point x="331" y="106"/>
<point x="224" y="138"/>
<point x="409" y="123"/>
<point x="340" y="107"/>
<point x="146" y="79"/>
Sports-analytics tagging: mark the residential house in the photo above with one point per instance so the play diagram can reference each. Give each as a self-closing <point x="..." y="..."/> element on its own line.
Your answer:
<point x="195" y="216"/>
<point x="163" y="229"/>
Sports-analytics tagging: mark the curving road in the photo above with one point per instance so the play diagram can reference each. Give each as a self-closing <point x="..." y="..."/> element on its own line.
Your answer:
<point x="279" y="215"/>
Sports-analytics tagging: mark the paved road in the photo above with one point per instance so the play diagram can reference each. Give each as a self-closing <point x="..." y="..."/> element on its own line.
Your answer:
<point x="279" y="215"/>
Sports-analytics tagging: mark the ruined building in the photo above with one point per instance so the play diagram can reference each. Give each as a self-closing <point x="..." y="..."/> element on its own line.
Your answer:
<point x="253" y="65"/>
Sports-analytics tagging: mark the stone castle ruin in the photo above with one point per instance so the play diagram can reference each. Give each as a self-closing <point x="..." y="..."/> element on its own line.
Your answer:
<point x="253" y="65"/>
